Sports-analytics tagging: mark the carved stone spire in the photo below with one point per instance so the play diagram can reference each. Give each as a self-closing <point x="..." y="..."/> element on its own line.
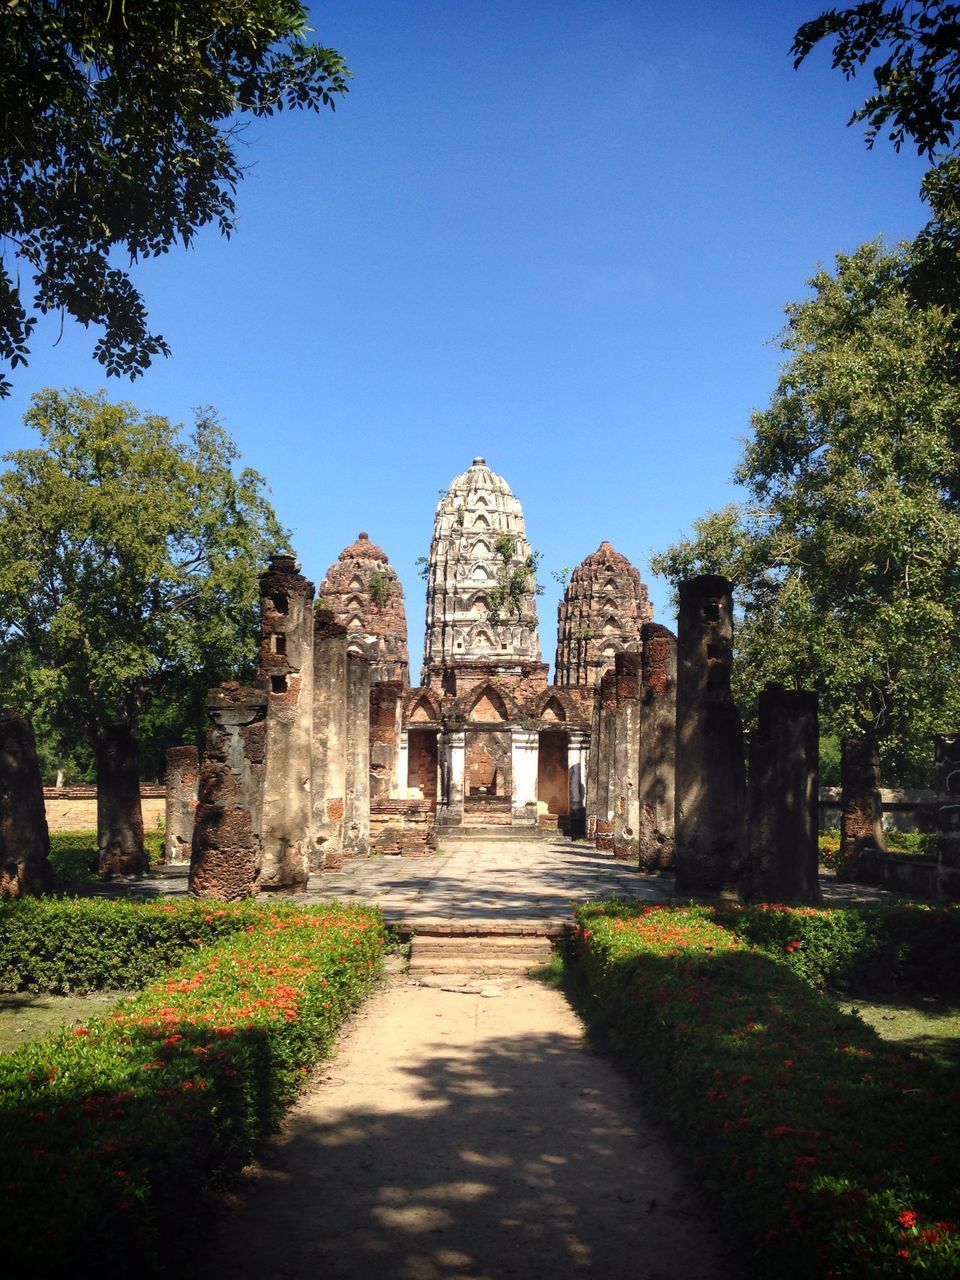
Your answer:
<point x="364" y="594"/>
<point x="604" y="606"/>
<point x="478" y="534"/>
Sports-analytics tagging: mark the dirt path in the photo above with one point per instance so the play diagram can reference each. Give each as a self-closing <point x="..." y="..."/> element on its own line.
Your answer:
<point x="461" y="1136"/>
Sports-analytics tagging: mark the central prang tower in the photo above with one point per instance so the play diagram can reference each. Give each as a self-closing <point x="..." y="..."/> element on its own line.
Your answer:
<point x="478" y="535"/>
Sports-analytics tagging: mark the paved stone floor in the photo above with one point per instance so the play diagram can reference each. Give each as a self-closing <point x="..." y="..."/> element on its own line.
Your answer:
<point x="501" y="881"/>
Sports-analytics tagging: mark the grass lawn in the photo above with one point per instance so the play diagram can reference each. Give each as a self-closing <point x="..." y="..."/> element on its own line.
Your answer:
<point x="25" y="1015"/>
<point x="927" y="1027"/>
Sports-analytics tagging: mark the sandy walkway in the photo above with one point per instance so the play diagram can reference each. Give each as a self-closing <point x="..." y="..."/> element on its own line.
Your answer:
<point x="457" y="1135"/>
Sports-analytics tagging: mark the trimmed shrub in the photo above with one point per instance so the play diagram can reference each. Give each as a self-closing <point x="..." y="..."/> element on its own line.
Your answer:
<point x="57" y="944"/>
<point x="825" y="1146"/>
<point x="863" y="950"/>
<point x="114" y="1132"/>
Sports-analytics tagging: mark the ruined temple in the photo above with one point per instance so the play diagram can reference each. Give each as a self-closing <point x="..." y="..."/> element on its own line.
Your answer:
<point x="355" y="760"/>
<point x="363" y="593"/>
<point x="604" y="607"/>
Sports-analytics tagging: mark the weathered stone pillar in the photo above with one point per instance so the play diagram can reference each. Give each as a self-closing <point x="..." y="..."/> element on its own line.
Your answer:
<point x="947" y="757"/>
<point x="227" y="828"/>
<point x="119" y="814"/>
<point x="182" y="778"/>
<point x="24" y="839"/>
<point x="592" y="799"/>
<point x="861" y="808"/>
<point x="658" y="746"/>
<point x="784" y="792"/>
<point x="386" y="709"/>
<point x="286" y="675"/>
<point x="403" y="761"/>
<point x="711" y="811"/>
<point x="578" y="748"/>
<point x="604" y="758"/>
<point x="452" y="752"/>
<point x="329" y="747"/>
<point x="524" y="754"/>
<point x="356" y="809"/>
<point x="625" y="726"/>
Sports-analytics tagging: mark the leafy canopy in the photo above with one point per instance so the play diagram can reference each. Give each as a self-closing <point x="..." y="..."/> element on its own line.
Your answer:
<point x="118" y="134"/>
<point x="914" y="52"/>
<point x="846" y="559"/>
<point x="128" y="564"/>
<point x="917" y="74"/>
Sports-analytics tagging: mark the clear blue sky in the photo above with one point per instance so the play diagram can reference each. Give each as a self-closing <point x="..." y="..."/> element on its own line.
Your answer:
<point x="559" y="234"/>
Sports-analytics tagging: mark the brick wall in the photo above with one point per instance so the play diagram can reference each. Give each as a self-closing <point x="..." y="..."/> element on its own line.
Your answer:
<point x="75" y="808"/>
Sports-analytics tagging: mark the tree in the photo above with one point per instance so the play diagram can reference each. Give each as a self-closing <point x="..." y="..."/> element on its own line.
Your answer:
<point x="917" y="80"/>
<point x="128" y="581"/>
<point x="915" y="48"/>
<point x="847" y="557"/>
<point x="118" y="133"/>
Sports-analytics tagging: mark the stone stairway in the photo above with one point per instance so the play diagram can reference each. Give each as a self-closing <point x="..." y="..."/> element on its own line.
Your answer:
<point x="478" y="955"/>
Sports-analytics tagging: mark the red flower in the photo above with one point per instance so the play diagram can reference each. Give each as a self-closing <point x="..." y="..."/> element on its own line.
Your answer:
<point x="907" y="1219"/>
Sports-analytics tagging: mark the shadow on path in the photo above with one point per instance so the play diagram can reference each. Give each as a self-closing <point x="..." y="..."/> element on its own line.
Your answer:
<point x="455" y="1136"/>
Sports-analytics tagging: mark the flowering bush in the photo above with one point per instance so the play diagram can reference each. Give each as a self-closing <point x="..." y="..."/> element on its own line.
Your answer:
<point x="113" y="1132"/>
<point x="825" y="1146"/>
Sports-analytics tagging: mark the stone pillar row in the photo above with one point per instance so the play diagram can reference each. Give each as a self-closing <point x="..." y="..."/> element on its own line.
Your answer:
<point x="284" y="786"/>
<point x="766" y="847"/>
<point x="666" y="779"/>
<point x="630" y="771"/>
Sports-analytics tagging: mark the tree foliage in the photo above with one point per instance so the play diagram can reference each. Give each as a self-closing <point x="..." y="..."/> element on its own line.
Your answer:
<point x="846" y="559"/>
<point x="128" y="566"/>
<point x="914" y="49"/>
<point x="118" y="132"/>
<point x="915" y="46"/>
<point x="515" y="579"/>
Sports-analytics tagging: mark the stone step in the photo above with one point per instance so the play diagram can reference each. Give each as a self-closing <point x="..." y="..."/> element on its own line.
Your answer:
<point x="496" y="831"/>
<point x="485" y="956"/>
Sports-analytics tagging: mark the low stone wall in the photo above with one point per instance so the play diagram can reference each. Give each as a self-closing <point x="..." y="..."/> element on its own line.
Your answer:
<point x="899" y="872"/>
<point x="903" y="810"/>
<point x="75" y="808"/>
<point x="402" y="827"/>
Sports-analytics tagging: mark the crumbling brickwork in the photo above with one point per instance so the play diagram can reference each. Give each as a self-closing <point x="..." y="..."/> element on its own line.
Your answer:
<point x="626" y="757"/>
<point x="604" y="606"/>
<point x="658" y="747"/>
<point x="227" y="846"/>
<point x="861" y="818"/>
<point x="363" y="594"/>
<point x="286" y="676"/>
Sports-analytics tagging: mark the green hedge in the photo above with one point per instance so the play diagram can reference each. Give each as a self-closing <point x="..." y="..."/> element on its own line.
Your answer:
<point x="863" y="950"/>
<point x="831" y="1152"/>
<point x="114" y="1132"/>
<point x="57" y="944"/>
<point x="75" y="861"/>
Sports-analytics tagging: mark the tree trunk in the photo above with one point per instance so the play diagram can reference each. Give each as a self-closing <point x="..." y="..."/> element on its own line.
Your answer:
<point x="24" y="840"/>
<point x="119" y="816"/>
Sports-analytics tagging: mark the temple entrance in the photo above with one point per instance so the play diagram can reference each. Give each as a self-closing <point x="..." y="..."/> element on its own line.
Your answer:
<point x="553" y="788"/>
<point x="488" y="776"/>
<point x="422" y="759"/>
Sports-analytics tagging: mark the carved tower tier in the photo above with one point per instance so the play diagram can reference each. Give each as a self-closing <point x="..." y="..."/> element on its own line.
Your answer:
<point x="603" y="610"/>
<point x="364" y="595"/>
<point x="479" y="545"/>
